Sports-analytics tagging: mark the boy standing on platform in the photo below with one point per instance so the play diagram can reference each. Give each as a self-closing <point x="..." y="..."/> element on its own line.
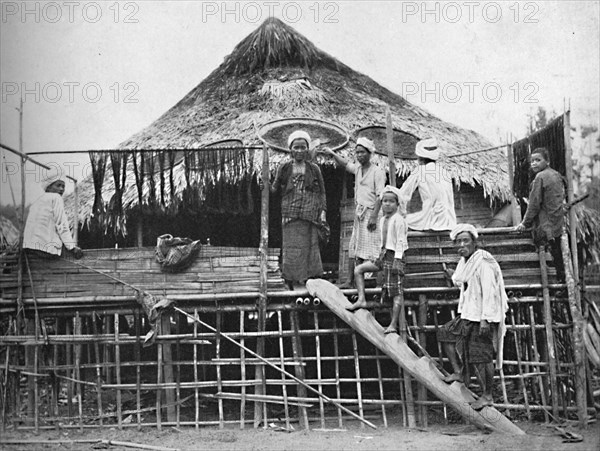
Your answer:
<point x="545" y="212"/>
<point x="394" y="243"/>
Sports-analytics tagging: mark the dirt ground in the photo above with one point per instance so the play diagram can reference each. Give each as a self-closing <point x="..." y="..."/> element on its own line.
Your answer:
<point x="454" y="437"/>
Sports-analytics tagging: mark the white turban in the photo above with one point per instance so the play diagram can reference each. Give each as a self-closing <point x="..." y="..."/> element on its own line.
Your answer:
<point x="460" y="228"/>
<point x="366" y="143"/>
<point x="49" y="176"/>
<point x="391" y="189"/>
<point x="299" y="134"/>
<point x="428" y="148"/>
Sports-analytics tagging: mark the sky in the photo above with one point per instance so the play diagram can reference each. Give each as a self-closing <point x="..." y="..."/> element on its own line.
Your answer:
<point x="91" y="74"/>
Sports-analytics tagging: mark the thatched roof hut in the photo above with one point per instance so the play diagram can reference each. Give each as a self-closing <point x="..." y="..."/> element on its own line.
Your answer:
<point x="275" y="72"/>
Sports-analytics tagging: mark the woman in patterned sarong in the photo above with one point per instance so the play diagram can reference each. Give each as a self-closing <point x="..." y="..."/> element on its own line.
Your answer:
<point x="303" y="209"/>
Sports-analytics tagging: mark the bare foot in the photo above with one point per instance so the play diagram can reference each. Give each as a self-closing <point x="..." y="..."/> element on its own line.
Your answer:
<point x="454" y="377"/>
<point x="483" y="401"/>
<point x="357" y="305"/>
<point x="390" y="330"/>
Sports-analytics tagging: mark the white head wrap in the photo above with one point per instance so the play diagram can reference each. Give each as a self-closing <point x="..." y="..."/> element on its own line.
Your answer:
<point x="366" y="143"/>
<point x="391" y="189"/>
<point x="299" y="134"/>
<point x="460" y="228"/>
<point x="49" y="176"/>
<point x="428" y="148"/>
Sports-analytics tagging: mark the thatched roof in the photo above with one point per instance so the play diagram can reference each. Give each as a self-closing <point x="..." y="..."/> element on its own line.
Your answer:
<point x="274" y="73"/>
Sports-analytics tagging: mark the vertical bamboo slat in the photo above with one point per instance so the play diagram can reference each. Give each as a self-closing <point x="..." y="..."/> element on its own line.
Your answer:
<point x="282" y="364"/>
<point x="219" y="379"/>
<point x="118" y="372"/>
<point x="242" y="372"/>
<point x="336" y="351"/>
<point x="520" y="364"/>
<point x="196" y="392"/>
<point x="549" y="333"/>
<point x="381" y="393"/>
<point x="536" y="360"/>
<point x="299" y="367"/>
<point x="422" y="340"/>
<point x="318" y="356"/>
<point x="358" y="378"/>
<point x="98" y="371"/>
<point x="138" y="374"/>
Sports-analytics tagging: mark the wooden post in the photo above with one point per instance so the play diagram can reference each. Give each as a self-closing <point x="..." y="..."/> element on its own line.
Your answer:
<point x="549" y="333"/>
<point x="570" y="195"/>
<point x="167" y="360"/>
<point x="579" y="355"/>
<point x="76" y="215"/>
<point x="260" y="408"/>
<point x="514" y="206"/>
<point x="390" y="145"/>
<point x="422" y="338"/>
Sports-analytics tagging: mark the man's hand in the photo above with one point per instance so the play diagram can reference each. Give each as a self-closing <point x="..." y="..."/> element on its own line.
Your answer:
<point x="323" y="216"/>
<point x="520" y="228"/>
<point x="484" y="328"/>
<point x="372" y="224"/>
<point x="398" y="266"/>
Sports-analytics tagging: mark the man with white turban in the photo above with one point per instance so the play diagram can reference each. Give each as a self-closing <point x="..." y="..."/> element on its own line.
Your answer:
<point x="477" y="333"/>
<point x="435" y="189"/>
<point x="47" y="227"/>
<point x="368" y="186"/>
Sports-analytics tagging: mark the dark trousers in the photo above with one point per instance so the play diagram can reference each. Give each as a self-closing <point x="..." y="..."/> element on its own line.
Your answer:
<point x="557" y="258"/>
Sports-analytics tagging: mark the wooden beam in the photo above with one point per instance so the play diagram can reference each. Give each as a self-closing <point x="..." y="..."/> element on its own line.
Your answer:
<point x="390" y="145"/>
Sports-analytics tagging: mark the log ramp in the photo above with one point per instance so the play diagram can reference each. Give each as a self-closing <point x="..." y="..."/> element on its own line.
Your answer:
<point x="422" y="369"/>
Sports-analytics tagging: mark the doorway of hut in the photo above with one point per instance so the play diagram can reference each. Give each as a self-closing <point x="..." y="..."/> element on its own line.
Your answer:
<point x="222" y="214"/>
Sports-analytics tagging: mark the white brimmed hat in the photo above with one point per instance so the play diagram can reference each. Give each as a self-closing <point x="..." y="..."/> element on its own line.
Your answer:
<point x="428" y="148"/>
<point x="366" y="143"/>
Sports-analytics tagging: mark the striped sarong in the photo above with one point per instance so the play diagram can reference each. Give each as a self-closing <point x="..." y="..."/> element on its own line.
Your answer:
<point x="364" y="244"/>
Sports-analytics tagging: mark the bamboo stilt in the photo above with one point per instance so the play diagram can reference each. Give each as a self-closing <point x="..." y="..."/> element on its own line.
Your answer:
<point x="98" y="371"/>
<point x="536" y="359"/>
<point x="410" y="403"/>
<point x="138" y="374"/>
<point x="69" y="331"/>
<point x="78" y="373"/>
<point x="578" y="345"/>
<point x="219" y="379"/>
<point x="381" y="394"/>
<point x="336" y="351"/>
<point x="549" y="333"/>
<point x="282" y="365"/>
<point x="299" y="368"/>
<point x="196" y="393"/>
<point x="441" y="360"/>
<point x="422" y="339"/>
<point x="118" y="373"/>
<point x="242" y="373"/>
<point x="520" y="366"/>
<point x="318" y="355"/>
<point x="358" y="379"/>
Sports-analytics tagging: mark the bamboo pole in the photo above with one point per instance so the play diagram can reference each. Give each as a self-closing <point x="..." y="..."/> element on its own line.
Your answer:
<point x="570" y="194"/>
<point x="242" y="372"/>
<point x="282" y="364"/>
<point x="299" y="367"/>
<point x="390" y="144"/>
<point x="579" y="355"/>
<point x="536" y="360"/>
<point x="118" y="372"/>
<point x="196" y="393"/>
<point x="358" y="378"/>
<point x="260" y="409"/>
<point x="336" y="354"/>
<point x="549" y="332"/>
<point x="219" y="379"/>
<point x="98" y="372"/>
<point x="514" y="206"/>
<point x="519" y="366"/>
<point x="410" y="402"/>
<point x="318" y="360"/>
<point x="381" y="392"/>
<point x="138" y="374"/>
<point x="422" y="340"/>
<point x="76" y="214"/>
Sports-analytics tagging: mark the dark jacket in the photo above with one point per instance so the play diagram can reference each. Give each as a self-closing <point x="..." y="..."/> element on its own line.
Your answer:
<point x="545" y="211"/>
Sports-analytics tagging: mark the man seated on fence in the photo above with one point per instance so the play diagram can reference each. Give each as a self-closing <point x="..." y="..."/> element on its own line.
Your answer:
<point x="47" y="227"/>
<point x="477" y="333"/>
<point x="545" y="211"/>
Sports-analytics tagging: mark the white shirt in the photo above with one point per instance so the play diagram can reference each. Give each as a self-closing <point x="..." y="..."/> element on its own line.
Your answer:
<point x="396" y="238"/>
<point x="437" y="195"/>
<point x="368" y="185"/>
<point x="47" y="227"/>
<point x="484" y="296"/>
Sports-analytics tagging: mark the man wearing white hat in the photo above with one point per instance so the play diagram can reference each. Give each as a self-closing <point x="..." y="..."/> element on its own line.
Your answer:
<point x="435" y="189"/>
<point x="368" y="186"/>
<point x="47" y="226"/>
